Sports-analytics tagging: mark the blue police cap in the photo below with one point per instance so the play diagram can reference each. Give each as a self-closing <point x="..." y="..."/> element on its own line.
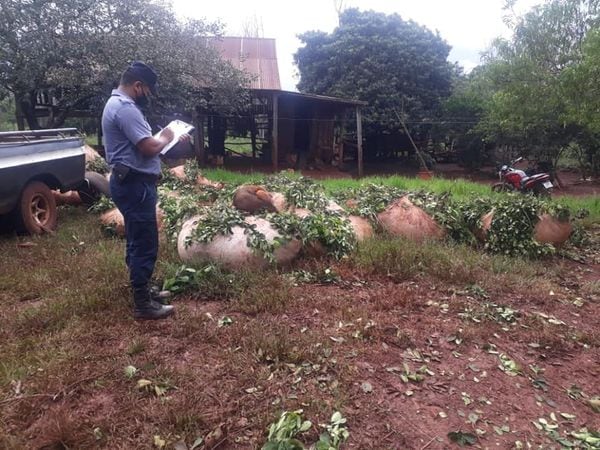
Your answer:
<point x="144" y="73"/>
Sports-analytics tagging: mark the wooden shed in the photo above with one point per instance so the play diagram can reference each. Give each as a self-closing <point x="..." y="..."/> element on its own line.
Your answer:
<point x="299" y="126"/>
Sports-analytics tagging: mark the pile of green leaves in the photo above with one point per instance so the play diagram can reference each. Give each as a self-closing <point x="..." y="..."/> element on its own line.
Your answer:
<point x="283" y="433"/>
<point x="177" y="209"/>
<point x="98" y="165"/>
<point x="221" y="218"/>
<point x="330" y="229"/>
<point x="515" y="218"/>
<point x="102" y="205"/>
<point x="333" y="231"/>
<point x="445" y="212"/>
<point x="371" y="199"/>
<point x="300" y="192"/>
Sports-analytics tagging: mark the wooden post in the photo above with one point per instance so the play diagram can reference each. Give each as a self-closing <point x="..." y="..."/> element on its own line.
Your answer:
<point x="253" y="136"/>
<point x="359" y="141"/>
<point x="19" y="114"/>
<point x="275" y="134"/>
<point x="198" y="121"/>
<point x="99" y="131"/>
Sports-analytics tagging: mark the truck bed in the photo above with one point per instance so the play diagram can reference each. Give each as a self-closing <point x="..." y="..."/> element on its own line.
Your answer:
<point x="55" y="157"/>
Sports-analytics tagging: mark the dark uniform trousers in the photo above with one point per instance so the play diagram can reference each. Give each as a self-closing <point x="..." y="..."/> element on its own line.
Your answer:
<point x="136" y="198"/>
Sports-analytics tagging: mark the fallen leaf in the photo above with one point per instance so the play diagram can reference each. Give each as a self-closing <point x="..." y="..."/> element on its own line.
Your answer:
<point x="594" y="403"/>
<point x="26" y="244"/>
<point x="461" y="438"/>
<point x="159" y="442"/>
<point x="197" y="443"/>
<point x="141" y="384"/>
<point x="367" y="387"/>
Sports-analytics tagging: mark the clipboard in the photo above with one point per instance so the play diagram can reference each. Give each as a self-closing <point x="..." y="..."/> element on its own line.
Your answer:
<point x="180" y="128"/>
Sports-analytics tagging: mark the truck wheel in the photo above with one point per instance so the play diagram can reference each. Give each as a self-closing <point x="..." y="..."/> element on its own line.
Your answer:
<point x="94" y="187"/>
<point x="36" y="212"/>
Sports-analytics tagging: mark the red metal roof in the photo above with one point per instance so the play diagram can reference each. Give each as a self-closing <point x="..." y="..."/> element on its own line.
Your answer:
<point x="257" y="56"/>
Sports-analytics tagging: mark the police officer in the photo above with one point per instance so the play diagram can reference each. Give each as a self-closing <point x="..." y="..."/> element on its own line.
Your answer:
<point x="132" y="152"/>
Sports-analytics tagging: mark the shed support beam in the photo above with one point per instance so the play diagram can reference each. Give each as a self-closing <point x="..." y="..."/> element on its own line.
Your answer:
<point x="198" y="121"/>
<point x="359" y="141"/>
<point x="275" y="135"/>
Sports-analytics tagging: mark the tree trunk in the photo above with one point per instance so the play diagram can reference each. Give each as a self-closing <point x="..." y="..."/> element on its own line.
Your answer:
<point x="26" y="102"/>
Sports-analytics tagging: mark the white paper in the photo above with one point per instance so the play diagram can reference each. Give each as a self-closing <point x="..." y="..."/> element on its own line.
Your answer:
<point x="179" y="128"/>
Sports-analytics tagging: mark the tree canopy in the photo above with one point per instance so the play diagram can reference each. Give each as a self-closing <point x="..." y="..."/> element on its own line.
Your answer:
<point x="536" y="91"/>
<point x="393" y="64"/>
<point x="77" y="49"/>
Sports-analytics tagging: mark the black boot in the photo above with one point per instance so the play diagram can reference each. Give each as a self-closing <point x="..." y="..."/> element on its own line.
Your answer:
<point x="147" y="309"/>
<point x="162" y="297"/>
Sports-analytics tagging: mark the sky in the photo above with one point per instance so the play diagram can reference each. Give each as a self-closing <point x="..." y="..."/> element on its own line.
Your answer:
<point x="469" y="26"/>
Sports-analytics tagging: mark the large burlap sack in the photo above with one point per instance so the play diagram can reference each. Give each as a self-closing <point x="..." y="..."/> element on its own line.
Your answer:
<point x="114" y="219"/>
<point x="403" y="218"/>
<point x="178" y="172"/>
<point x="279" y="201"/>
<point x="232" y="250"/>
<point x="333" y="206"/>
<point x="362" y="228"/>
<point x="486" y="224"/>
<point x="550" y="230"/>
<point x="251" y="198"/>
<point x="203" y="181"/>
<point x="67" y="198"/>
<point x="90" y="153"/>
<point x="301" y="212"/>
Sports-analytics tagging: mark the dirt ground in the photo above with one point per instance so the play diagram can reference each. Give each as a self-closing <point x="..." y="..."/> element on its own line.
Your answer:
<point x="407" y="360"/>
<point x="509" y="358"/>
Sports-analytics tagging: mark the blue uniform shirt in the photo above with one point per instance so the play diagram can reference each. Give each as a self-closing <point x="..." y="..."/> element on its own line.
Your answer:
<point x="123" y="127"/>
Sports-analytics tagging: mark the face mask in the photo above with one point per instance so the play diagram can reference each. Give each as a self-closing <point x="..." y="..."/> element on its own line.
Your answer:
<point x="142" y="101"/>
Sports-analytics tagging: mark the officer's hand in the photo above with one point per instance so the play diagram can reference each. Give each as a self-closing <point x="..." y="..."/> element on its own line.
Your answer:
<point x="167" y="135"/>
<point x="185" y="138"/>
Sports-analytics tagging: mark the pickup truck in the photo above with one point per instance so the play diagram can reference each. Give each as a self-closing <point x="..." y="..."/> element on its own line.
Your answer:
<point x="32" y="163"/>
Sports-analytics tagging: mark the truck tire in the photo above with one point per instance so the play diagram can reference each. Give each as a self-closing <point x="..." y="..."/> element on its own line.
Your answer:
<point x="36" y="212"/>
<point x="95" y="186"/>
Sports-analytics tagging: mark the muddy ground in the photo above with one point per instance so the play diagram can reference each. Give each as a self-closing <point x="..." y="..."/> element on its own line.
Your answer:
<point x="510" y="358"/>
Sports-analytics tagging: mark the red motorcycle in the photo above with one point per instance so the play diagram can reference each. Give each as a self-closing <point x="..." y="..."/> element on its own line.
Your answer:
<point x="512" y="179"/>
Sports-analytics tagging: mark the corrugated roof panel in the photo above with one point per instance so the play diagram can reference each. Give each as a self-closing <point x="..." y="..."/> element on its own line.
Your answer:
<point x="258" y="56"/>
<point x="270" y="74"/>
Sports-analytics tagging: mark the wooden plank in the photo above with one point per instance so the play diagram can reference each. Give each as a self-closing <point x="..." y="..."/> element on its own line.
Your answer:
<point x="359" y="141"/>
<point x="275" y="136"/>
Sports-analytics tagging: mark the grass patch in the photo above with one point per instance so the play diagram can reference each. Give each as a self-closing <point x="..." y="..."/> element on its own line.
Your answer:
<point x="591" y="287"/>
<point x="402" y="259"/>
<point x="226" y="176"/>
<point x="459" y="189"/>
<point x="251" y="291"/>
<point x="263" y="292"/>
<point x="242" y="145"/>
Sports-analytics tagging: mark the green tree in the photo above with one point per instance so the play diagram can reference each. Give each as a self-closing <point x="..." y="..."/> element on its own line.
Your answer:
<point x="579" y="86"/>
<point x="462" y="112"/>
<point x="528" y="109"/>
<point x="75" y="50"/>
<point x="393" y="64"/>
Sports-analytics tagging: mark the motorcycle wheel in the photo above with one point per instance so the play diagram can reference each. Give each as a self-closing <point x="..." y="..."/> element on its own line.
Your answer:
<point x="541" y="191"/>
<point x="502" y="187"/>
